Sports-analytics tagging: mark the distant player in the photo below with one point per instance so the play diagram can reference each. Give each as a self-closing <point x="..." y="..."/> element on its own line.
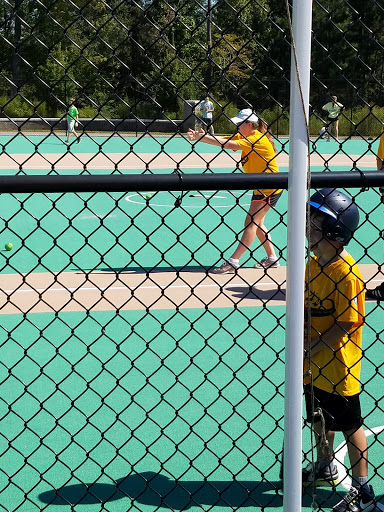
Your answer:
<point x="333" y="109"/>
<point x="206" y="108"/>
<point x="72" y="121"/>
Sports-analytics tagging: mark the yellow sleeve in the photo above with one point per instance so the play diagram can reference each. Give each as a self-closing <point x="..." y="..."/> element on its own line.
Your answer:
<point x="348" y="301"/>
<point x="380" y="151"/>
<point x="237" y="137"/>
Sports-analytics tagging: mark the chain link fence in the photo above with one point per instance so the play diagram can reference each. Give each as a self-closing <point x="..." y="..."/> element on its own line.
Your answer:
<point x="130" y="376"/>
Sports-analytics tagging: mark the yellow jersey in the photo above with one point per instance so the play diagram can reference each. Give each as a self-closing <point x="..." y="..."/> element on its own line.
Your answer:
<point x="380" y="151"/>
<point x="336" y="293"/>
<point x="257" y="155"/>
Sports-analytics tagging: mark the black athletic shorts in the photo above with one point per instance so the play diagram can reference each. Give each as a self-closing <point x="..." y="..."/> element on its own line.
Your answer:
<point x="270" y="200"/>
<point x="341" y="413"/>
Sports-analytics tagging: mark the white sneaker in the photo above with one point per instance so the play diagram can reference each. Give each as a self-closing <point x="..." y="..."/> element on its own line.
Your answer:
<point x="225" y="268"/>
<point x="357" y="500"/>
<point x="268" y="263"/>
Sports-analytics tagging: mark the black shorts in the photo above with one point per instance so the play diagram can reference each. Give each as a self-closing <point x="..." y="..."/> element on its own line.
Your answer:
<point x="341" y="413"/>
<point x="270" y="200"/>
<point x="207" y="122"/>
<point x="332" y="120"/>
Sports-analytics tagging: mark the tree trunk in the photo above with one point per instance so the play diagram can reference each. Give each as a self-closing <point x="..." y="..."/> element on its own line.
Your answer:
<point x="16" y="75"/>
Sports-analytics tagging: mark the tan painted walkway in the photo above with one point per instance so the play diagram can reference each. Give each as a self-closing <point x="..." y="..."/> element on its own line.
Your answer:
<point x="129" y="290"/>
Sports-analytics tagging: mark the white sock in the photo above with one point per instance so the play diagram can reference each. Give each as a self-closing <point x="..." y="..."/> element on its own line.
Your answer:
<point x="233" y="260"/>
<point x="360" y="481"/>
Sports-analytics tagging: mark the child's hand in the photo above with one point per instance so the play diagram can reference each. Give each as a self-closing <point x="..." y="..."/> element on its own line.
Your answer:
<point x="195" y="135"/>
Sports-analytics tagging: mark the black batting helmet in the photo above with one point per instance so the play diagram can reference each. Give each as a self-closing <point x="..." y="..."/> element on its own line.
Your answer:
<point x="342" y="214"/>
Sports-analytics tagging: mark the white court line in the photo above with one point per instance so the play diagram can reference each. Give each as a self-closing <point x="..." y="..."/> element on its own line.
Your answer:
<point x="208" y="197"/>
<point x="153" y="199"/>
<point x="376" y="280"/>
<point x="117" y="288"/>
<point x="138" y="287"/>
<point x="96" y="216"/>
<point x="341" y="452"/>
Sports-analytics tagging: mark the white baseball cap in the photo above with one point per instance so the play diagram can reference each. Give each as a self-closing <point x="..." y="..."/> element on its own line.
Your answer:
<point x="245" y="115"/>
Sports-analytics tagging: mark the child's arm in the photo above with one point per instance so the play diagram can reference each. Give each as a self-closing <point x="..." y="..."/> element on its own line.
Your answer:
<point x="201" y="136"/>
<point x="329" y="338"/>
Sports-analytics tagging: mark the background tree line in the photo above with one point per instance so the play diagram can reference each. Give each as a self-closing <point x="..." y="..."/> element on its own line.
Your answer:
<point x="143" y="58"/>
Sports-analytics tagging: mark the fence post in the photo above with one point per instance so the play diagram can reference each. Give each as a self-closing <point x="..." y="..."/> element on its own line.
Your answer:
<point x="297" y="191"/>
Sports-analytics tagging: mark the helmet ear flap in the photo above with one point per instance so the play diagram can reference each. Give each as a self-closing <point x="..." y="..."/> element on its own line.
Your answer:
<point x="334" y="233"/>
<point x="327" y="228"/>
<point x="334" y="230"/>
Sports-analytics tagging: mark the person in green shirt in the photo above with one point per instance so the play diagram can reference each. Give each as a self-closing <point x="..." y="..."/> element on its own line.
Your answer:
<point x="333" y="109"/>
<point x="72" y="121"/>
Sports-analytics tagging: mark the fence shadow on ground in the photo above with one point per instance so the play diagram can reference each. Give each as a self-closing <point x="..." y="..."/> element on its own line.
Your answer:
<point x="157" y="490"/>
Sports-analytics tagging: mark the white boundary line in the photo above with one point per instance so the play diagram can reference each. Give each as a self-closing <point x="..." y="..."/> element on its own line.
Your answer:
<point x="158" y="287"/>
<point x="138" y="287"/>
<point x="151" y="201"/>
<point x="340" y="454"/>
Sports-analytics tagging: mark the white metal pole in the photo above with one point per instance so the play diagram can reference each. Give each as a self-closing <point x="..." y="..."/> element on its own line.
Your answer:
<point x="297" y="196"/>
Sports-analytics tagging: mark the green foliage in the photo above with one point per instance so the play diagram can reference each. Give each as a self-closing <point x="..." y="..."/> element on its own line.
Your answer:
<point x="222" y="123"/>
<point x="364" y="121"/>
<point x="361" y="121"/>
<point x="16" y="107"/>
<point x="142" y="58"/>
<point x="277" y="120"/>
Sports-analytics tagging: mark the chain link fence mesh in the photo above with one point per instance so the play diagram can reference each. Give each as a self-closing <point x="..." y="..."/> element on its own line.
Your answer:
<point x="130" y="377"/>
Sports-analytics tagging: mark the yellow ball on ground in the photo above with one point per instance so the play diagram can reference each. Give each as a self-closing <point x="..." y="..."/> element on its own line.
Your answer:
<point x="8" y="246"/>
<point x="148" y="197"/>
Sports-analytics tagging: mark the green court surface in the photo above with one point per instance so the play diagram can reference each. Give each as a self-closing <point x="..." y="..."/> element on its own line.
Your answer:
<point x="105" y="401"/>
<point x="142" y="403"/>
<point x="91" y="143"/>
<point x="49" y="231"/>
<point x="103" y="231"/>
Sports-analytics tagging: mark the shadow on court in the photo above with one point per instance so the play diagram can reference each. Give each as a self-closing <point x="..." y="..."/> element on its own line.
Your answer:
<point x="150" y="488"/>
<point x="152" y="270"/>
<point x="252" y="292"/>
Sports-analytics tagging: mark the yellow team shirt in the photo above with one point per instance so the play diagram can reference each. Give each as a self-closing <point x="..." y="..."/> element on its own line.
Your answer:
<point x="257" y="155"/>
<point x="380" y="151"/>
<point x="336" y="293"/>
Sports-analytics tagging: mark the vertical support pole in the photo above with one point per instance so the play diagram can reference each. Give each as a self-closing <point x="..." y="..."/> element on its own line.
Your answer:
<point x="209" y="46"/>
<point x="66" y="107"/>
<point x="297" y="197"/>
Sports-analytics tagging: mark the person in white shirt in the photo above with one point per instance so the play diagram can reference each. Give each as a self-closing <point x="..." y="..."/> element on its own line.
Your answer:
<point x="206" y="108"/>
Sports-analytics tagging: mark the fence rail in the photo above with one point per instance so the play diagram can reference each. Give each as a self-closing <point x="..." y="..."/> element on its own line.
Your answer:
<point x="179" y="181"/>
